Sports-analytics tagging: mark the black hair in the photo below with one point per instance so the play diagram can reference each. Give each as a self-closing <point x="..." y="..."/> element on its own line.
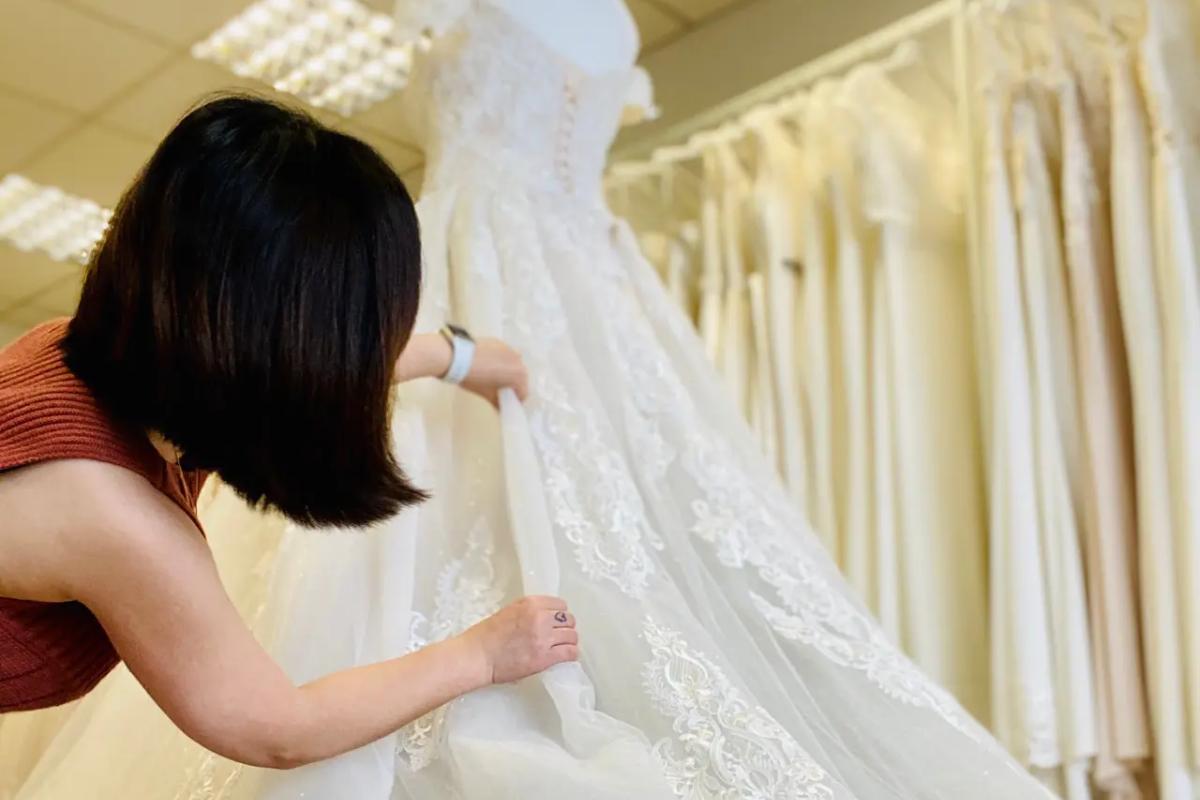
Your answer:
<point x="248" y="302"/>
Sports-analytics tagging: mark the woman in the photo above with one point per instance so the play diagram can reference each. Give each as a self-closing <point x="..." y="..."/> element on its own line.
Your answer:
<point x="246" y="314"/>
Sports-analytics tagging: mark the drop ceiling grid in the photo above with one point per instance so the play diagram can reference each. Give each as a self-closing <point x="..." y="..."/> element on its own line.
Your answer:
<point x="87" y="89"/>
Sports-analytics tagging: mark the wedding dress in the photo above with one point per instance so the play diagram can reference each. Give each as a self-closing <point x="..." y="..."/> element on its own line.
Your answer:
<point x="1139" y="290"/>
<point x="1055" y="442"/>
<point x="712" y="279"/>
<point x="1108" y="513"/>
<point x="927" y="434"/>
<point x="1168" y="58"/>
<point x="819" y="319"/>
<point x="779" y="258"/>
<point x="723" y="655"/>
<point x="1023" y="711"/>
<point x="735" y="357"/>
<point x="851" y="271"/>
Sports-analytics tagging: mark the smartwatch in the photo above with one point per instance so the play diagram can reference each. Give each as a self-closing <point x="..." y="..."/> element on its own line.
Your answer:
<point x="462" y="345"/>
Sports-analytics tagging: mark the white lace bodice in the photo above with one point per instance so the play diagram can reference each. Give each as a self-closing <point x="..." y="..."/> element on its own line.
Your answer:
<point x="490" y="98"/>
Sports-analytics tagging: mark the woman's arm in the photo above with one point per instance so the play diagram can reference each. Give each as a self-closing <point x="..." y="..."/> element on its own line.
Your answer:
<point x="427" y="355"/>
<point x="496" y="366"/>
<point x="151" y="581"/>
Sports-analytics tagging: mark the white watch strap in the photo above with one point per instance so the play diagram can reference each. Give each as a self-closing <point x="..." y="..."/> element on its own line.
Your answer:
<point x="460" y="362"/>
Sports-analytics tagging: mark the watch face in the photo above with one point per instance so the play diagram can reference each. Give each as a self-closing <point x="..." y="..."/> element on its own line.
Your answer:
<point x="459" y="331"/>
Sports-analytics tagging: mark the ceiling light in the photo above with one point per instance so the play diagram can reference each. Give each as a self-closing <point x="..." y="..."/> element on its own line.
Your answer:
<point x="35" y="217"/>
<point x="334" y="54"/>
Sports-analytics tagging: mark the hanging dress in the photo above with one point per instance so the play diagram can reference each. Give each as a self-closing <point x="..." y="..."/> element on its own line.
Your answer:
<point x="1133" y="225"/>
<point x="735" y="358"/>
<point x="712" y="278"/>
<point x="821" y="323"/>
<point x="1052" y="364"/>
<point x="1169" y="64"/>
<point x="927" y="374"/>
<point x="682" y="271"/>
<point x="778" y="258"/>
<point x="1108" y="506"/>
<point x="853" y="273"/>
<point x="1023" y="710"/>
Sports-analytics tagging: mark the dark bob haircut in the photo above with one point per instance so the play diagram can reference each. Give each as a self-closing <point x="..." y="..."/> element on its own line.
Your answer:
<point x="257" y="283"/>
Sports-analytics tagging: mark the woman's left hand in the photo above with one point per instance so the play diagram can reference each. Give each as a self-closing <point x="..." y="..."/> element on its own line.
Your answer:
<point x="496" y="366"/>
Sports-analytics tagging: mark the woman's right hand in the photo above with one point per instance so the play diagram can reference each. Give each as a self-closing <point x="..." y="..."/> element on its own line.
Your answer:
<point x="524" y="638"/>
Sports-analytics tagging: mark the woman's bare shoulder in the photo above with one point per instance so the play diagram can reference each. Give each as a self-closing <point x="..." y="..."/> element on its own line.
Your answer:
<point x="67" y="518"/>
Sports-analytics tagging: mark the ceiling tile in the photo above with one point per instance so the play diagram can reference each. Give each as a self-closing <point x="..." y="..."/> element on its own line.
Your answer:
<point x="60" y="54"/>
<point x="95" y="162"/>
<point x="152" y="109"/>
<point x="25" y="274"/>
<point x="25" y="126"/>
<point x="182" y="22"/>
<point x="697" y="10"/>
<point x="653" y="24"/>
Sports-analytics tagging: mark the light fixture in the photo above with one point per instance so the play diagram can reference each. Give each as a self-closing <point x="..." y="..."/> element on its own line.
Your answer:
<point x="35" y="217"/>
<point x="334" y="54"/>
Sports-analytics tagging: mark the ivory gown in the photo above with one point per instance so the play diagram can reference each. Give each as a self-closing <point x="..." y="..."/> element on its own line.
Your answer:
<point x="1023" y="709"/>
<point x="1056" y="442"/>
<point x="1140" y="288"/>
<point x="926" y="381"/>
<point x="1108" y="506"/>
<point x="723" y="655"/>
<point x="778" y="256"/>
<point x="819" y="321"/>
<point x="1170" y="56"/>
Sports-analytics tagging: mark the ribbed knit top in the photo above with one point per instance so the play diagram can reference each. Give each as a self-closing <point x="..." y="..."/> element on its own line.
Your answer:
<point x="51" y="653"/>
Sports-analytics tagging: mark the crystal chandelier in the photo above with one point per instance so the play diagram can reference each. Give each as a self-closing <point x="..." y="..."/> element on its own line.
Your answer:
<point x="35" y="217"/>
<point x="334" y="54"/>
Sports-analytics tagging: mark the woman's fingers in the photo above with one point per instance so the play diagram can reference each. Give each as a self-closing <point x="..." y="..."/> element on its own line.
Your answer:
<point x="564" y="636"/>
<point x="566" y="652"/>
<point x="548" y="601"/>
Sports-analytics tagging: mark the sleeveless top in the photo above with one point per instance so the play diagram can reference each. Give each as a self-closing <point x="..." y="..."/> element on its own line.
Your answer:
<point x="51" y="653"/>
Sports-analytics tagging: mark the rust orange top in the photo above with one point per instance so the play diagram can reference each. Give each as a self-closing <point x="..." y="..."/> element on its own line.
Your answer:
<point x="51" y="653"/>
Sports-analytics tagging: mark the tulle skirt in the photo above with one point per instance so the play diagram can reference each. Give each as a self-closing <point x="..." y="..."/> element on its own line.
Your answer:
<point x="723" y="656"/>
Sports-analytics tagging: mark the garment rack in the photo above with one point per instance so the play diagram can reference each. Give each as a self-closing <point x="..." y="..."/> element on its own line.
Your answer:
<point x="800" y="78"/>
<point x="662" y="152"/>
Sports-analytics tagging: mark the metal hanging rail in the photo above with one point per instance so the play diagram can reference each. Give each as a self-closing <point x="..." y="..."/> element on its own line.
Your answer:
<point x="796" y="80"/>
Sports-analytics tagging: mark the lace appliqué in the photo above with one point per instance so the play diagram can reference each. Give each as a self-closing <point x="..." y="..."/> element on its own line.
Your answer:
<point x="602" y="516"/>
<point x="814" y="613"/>
<point x="726" y="748"/>
<point x="883" y="665"/>
<point x="466" y="592"/>
<point x="636" y="351"/>
<point x="591" y="495"/>
<point x="749" y="525"/>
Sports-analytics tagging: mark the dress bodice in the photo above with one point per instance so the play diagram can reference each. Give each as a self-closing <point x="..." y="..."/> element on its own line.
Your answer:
<point x="489" y="97"/>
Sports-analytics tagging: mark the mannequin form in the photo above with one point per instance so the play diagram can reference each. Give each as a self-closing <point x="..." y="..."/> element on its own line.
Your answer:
<point x="597" y="35"/>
